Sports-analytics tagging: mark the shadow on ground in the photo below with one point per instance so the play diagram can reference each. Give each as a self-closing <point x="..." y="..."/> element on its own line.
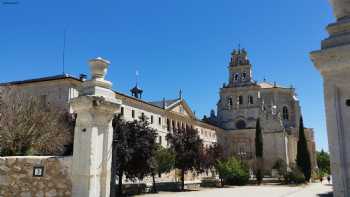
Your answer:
<point x="330" y="194"/>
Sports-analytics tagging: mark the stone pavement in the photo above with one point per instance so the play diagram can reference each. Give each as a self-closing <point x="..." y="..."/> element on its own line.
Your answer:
<point x="312" y="190"/>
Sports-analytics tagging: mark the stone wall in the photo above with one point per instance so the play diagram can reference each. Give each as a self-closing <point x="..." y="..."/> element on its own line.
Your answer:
<point x="17" y="177"/>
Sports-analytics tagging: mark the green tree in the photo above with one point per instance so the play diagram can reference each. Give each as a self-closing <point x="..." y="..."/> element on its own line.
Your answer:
<point x="323" y="162"/>
<point x="164" y="162"/>
<point x="303" y="154"/>
<point x="259" y="152"/>
<point x="188" y="147"/>
<point x="211" y="156"/>
<point x="121" y="153"/>
<point x="232" y="172"/>
<point x="142" y="162"/>
<point x="133" y="151"/>
<point x="281" y="166"/>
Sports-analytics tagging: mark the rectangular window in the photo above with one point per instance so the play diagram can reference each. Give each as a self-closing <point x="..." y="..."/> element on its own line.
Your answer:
<point x="143" y="116"/>
<point x="160" y="121"/>
<point x="133" y="113"/>
<point x="160" y="140"/>
<point x="250" y="100"/>
<point x="168" y="124"/>
<point x="151" y="119"/>
<point x="230" y="101"/>
<point x="122" y="111"/>
<point x="240" y="100"/>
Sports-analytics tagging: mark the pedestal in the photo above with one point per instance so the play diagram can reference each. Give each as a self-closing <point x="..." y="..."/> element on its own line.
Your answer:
<point x="92" y="146"/>
<point x="333" y="62"/>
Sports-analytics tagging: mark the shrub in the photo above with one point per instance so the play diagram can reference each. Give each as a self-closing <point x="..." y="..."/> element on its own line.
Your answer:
<point x="281" y="167"/>
<point x="30" y="126"/>
<point x="233" y="172"/>
<point x="295" y="176"/>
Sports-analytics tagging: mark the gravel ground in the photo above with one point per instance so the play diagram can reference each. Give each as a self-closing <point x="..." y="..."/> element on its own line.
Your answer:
<point x="312" y="190"/>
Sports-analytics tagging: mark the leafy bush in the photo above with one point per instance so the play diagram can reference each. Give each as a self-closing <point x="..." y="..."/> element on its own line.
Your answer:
<point x="233" y="172"/>
<point x="295" y="176"/>
<point x="281" y="167"/>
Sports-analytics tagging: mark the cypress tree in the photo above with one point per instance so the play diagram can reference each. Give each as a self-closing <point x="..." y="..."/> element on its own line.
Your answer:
<point x="259" y="152"/>
<point x="258" y="140"/>
<point x="303" y="154"/>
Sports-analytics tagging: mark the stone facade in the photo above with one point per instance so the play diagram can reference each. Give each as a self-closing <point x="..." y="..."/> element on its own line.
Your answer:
<point x="17" y="180"/>
<point x="243" y="100"/>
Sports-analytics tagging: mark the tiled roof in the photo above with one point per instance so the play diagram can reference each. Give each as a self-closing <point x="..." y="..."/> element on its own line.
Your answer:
<point x="266" y="85"/>
<point x="167" y="103"/>
<point x="55" y="77"/>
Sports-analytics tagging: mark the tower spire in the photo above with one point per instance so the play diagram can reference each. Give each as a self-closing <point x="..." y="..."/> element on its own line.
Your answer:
<point x="136" y="91"/>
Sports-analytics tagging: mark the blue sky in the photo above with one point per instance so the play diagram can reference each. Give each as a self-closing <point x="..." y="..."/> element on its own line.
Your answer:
<point x="174" y="44"/>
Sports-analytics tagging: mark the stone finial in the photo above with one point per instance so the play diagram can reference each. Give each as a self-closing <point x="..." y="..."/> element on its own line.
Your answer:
<point x="99" y="67"/>
<point x="341" y="8"/>
<point x="97" y="85"/>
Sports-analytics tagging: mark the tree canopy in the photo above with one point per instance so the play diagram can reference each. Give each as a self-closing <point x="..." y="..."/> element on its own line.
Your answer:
<point x="323" y="162"/>
<point x="30" y="126"/>
<point x="133" y="150"/>
<point x="188" y="148"/>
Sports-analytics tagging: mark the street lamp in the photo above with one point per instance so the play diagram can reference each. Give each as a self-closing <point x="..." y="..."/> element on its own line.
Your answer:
<point x="241" y="153"/>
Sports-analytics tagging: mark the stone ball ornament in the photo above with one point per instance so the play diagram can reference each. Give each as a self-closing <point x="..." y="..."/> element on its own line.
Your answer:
<point x="99" y="67"/>
<point x="341" y="9"/>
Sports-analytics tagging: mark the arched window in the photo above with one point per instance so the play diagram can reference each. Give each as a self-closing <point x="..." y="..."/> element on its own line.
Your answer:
<point x="236" y="76"/>
<point x="240" y="124"/>
<point x="285" y="113"/>
<point x="244" y="75"/>
<point x="230" y="102"/>
<point x="250" y="99"/>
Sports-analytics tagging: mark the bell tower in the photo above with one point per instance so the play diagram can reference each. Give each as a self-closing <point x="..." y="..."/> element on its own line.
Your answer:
<point x="240" y="69"/>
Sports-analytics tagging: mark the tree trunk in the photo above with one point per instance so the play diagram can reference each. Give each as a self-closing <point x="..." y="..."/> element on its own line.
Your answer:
<point x="120" y="183"/>
<point x="154" y="183"/>
<point x="182" y="179"/>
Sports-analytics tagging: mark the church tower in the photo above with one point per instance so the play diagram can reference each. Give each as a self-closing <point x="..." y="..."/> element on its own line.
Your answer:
<point x="240" y="69"/>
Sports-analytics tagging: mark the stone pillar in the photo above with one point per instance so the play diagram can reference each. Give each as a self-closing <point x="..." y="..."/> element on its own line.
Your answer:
<point x="95" y="106"/>
<point x="333" y="62"/>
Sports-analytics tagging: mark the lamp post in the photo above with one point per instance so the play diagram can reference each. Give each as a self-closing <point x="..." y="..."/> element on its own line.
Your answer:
<point x="241" y="154"/>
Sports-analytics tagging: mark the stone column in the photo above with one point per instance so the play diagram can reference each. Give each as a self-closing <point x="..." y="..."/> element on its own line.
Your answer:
<point x="333" y="62"/>
<point x="95" y="106"/>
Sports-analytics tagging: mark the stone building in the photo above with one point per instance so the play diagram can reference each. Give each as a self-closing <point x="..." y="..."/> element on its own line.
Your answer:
<point x="242" y="102"/>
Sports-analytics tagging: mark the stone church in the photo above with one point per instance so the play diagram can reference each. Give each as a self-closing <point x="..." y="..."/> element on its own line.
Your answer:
<point x="242" y="102"/>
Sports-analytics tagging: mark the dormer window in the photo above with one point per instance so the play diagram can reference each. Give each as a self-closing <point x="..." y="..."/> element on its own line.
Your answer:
<point x="181" y="109"/>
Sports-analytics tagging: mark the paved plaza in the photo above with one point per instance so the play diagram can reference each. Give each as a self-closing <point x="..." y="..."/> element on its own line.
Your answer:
<point x="312" y="190"/>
